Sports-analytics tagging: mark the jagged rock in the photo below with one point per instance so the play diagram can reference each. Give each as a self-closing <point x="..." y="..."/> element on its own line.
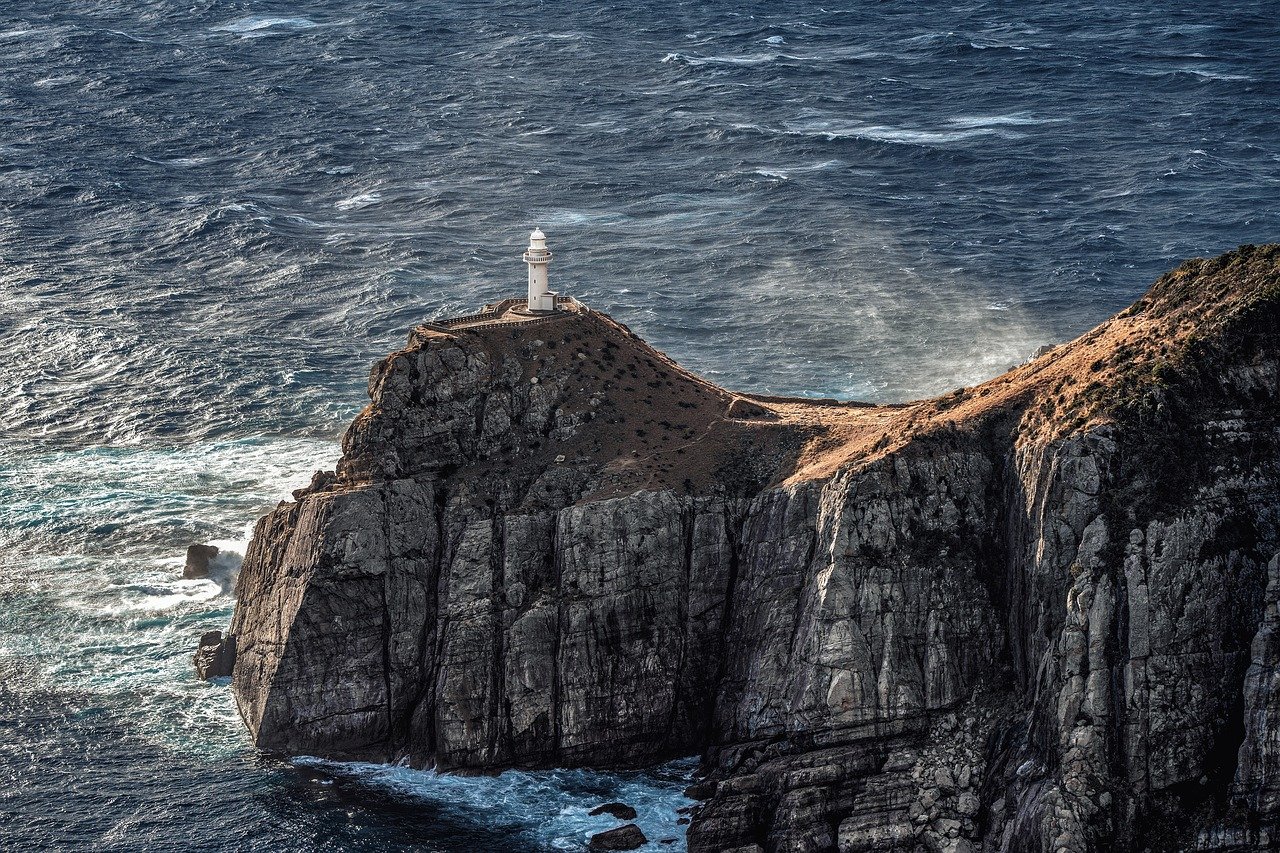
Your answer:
<point x="216" y="655"/>
<point x="1061" y="582"/>
<point x="701" y="790"/>
<point x="628" y="837"/>
<point x="621" y="811"/>
<point x="198" y="559"/>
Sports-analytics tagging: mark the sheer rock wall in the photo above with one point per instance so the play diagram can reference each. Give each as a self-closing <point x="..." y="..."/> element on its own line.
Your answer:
<point x="1039" y="615"/>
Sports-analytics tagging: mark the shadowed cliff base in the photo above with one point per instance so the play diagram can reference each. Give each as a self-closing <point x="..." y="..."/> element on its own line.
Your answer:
<point x="1036" y="614"/>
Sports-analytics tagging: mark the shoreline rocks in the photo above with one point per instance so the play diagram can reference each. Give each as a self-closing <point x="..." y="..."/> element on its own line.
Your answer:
<point x="621" y="811"/>
<point x="215" y="656"/>
<point x="198" y="561"/>
<point x="627" y="837"/>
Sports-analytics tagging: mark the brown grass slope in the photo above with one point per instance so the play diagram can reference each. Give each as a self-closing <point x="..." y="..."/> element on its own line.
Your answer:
<point x="644" y="422"/>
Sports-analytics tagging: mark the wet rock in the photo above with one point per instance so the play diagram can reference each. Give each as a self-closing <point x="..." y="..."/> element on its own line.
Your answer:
<point x="628" y="837"/>
<point x="215" y="656"/>
<point x="701" y="790"/>
<point x="621" y="811"/>
<point x="198" y="560"/>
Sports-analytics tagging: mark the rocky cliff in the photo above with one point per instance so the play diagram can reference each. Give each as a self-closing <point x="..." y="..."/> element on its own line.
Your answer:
<point x="1035" y="615"/>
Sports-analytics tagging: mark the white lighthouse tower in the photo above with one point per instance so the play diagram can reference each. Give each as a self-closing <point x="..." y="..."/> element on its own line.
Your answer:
<point x="537" y="256"/>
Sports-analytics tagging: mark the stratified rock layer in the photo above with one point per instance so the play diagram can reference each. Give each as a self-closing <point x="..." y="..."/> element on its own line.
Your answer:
<point x="1039" y="614"/>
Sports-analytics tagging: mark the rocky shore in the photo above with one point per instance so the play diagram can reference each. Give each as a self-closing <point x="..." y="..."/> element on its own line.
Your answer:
<point x="1039" y="614"/>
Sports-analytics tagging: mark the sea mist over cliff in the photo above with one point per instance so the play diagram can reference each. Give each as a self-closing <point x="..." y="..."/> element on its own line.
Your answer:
<point x="215" y="216"/>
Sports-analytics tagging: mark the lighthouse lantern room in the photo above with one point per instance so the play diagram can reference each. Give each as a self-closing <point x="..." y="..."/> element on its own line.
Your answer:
<point x="537" y="256"/>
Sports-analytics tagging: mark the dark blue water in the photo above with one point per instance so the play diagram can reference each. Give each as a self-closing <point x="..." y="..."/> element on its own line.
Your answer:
<point x="215" y="215"/>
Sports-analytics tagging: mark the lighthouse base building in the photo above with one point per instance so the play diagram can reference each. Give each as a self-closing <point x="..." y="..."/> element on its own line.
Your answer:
<point x="541" y="304"/>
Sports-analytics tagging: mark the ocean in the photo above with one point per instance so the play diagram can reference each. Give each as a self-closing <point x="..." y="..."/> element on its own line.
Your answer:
<point x="214" y="216"/>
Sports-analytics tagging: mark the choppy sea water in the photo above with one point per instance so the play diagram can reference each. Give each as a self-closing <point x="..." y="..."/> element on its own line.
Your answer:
<point x="215" y="215"/>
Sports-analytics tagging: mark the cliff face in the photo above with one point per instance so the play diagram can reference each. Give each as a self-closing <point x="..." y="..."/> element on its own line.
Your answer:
<point x="1038" y="614"/>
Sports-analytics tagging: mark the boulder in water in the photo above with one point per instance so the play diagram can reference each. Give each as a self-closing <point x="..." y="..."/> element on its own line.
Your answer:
<point x="627" y="837"/>
<point x="198" y="559"/>
<point x="621" y="811"/>
<point x="216" y="655"/>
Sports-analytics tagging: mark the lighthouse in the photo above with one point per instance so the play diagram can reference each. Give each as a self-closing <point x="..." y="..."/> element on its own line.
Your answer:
<point x="537" y="256"/>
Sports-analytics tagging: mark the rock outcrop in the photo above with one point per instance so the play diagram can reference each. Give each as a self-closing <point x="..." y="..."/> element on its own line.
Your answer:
<point x="1035" y="615"/>
<point x="621" y="811"/>
<point x="215" y="656"/>
<point x="198" y="561"/>
<point x="627" y="837"/>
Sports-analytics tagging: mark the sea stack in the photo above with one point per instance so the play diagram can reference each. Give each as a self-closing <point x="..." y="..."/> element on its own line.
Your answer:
<point x="1035" y="614"/>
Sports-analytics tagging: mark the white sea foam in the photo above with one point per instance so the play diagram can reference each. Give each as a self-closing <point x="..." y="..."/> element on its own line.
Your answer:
<point x="751" y="59"/>
<point x="181" y="593"/>
<point x="550" y="808"/>
<point x="785" y="172"/>
<point x="834" y="129"/>
<point x="358" y="202"/>
<point x="94" y="546"/>
<point x="1002" y="120"/>
<point x="253" y="26"/>
<point x="1193" y="71"/>
<point x="1210" y="74"/>
<point x="191" y="161"/>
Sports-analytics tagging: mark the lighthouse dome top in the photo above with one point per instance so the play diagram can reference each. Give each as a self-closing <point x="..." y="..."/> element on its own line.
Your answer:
<point x="537" y="234"/>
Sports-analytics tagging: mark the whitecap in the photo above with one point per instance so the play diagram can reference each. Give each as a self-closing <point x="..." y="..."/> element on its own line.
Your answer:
<point x="995" y="45"/>
<point x="785" y="172"/>
<point x="899" y="135"/>
<point x="253" y="26"/>
<point x="52" y="82"/>
<point x="752" y="59"/>
<point x="198" y="592"/>
<point x="358" y="202"/>
<point x="129" y="36"/>
<point x="775" y="40"/>
<point x="1001" y="120"/>
<point x="1217" y="75"/>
